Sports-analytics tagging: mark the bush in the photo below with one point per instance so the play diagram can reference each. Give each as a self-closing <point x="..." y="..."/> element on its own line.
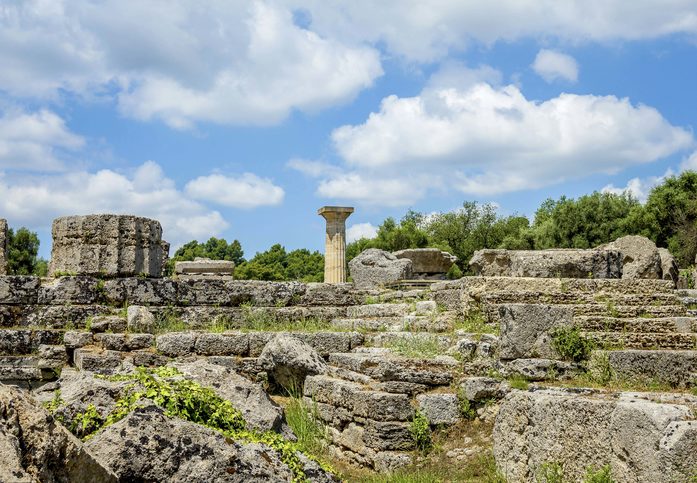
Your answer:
<point x="420" y="430"/>
<point x="602" y="475"/>
<point x="570" y="344"/>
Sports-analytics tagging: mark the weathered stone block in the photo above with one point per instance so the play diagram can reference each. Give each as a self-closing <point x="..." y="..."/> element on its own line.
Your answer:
<point x="176" y="344"/>
<point x="640" y="257"/>
<point x="102" y="362"/>
<point x="71" y="290"/>
<point x="226" y="344"/>
<point x="427" y="262"/>
<point x="440" y="409"/>
<point x="140" y="291"/>
<point x="140" y="319"/>
<point x="107" y="323"/>
<point x="669" y="267"/>
<point x="125" y="342"/>
<point x="641" y="440"/>
<point x="482" y="388"/>
<point x="19" y="289"/>
<point x="204" y="268"/>
<point x="555" y="263"/>
<point x="374" y="267"/>
<point x="107" y="245"/>
<point x="525" y="329"/>
<point x="74" y="339"/>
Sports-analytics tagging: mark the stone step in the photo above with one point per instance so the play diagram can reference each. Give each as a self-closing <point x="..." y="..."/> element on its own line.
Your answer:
<point x="383" y="366"/>
<point x="644" y="340"/>
<point x="677" y="368"/>
<point x="594" y="323"/>
<point x="563" y="298"/>
<point x="26" y="341"/>
<point x="488" y="285"/>
<point x="379" y="310"/>
<point x="609" y="310"/>
<point x="408" y="323"/>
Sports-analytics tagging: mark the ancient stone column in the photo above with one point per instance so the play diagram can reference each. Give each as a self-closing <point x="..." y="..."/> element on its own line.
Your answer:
<point x="335" y="244"/>
<point x="3" y="247"/>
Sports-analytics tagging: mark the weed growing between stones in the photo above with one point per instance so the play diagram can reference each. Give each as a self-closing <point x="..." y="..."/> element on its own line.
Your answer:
<point x="186" y="399"/>
<point x="465" y="406"/>
<point x="601" y="475"/>
<point x="169" y="321"/>
<point x="570" y="344"/>
<point x="551" y="472"/>
<point x="417" y="347"/>
<point x="518" y="381"/>
<point x="312" y="435"/>
<point x="475" y="322"/>
<point x="420" y="430"/>
<point x="600" y="369"/>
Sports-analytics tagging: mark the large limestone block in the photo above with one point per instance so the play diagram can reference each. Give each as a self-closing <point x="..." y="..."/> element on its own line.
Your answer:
<point x="669" y="267"/>
<point x="33" y="447"/>
<point x="525" y="329"/>
<point x="374" y="267"/>
<point x="556" y="263"/>
<point x="289" y="361"/>
<point x="640" y="257"/>
<point x="149" y="446"/>
<point x="204" y="268"/>
<point x="640" y="437"/>
<point x="428" y="262"/>
<point x="107" y="245"/>
<point x="3" y="247"/>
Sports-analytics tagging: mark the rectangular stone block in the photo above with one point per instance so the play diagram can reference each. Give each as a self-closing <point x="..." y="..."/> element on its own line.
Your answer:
<point x="140" y="291"/>
<point x="103" y="362"/>
<point x="176" y="344"/>
<point x="19" y="289"/>
<point x="225" y="344"/>
<point x="107" y="245"/>
<point x="71" y="290"/>
<point x="204" y="268"/>
<point x="525" y="329"/>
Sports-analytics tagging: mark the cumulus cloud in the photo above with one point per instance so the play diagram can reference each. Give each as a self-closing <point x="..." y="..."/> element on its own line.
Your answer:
<point x="34" y="141"/>
<point x="228" y="62"/>
<point x="485" y="140"/>
<point x="552" y="65"/>
<point x="381" y="190"/>
<point x="422" y="31"/>
<point x="314" y="169"/>
<point x="36" y="200"/>
<point x="245" y="191"/>
<point x="361" y="230"/>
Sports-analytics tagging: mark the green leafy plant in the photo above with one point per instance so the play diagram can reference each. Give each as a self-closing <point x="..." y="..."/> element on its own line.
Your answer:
<point x="87" y="422"/>
<point x="420" y="430"/>
<point x="518" y="381"/>
<point x="570" y="344"/>
<point x="466" y="407"/>
<point x="418" y="347"/>
<point x="601" y="475"/>
<point x="551" y="472"/>
<point x="188" y="400"/>
<point x="599" y="368"/>
<point x="303" y="419"/>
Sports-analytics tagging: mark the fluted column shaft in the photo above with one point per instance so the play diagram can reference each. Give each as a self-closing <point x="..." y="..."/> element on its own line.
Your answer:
<point x="335" y="243"/>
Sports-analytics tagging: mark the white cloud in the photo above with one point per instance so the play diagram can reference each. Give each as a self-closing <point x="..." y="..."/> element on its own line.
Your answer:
<point x="427" y="31"/>
<point x="226" y="62"/>
<point x="245" y="191"/>
<point x="34" y="201"/>
<point x="485" y="140"/>
<point x="376" y="189"/>
<point x="34" y="141"/>
<point x="552" y="65"/>
<point x="361" y="230"/>
<point x="314" y="169"/>
<point x="689" y="164"/>
<point x="637" y="187"/>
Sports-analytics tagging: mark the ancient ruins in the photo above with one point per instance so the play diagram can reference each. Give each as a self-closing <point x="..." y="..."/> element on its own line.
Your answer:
<point x="575" y="358"/>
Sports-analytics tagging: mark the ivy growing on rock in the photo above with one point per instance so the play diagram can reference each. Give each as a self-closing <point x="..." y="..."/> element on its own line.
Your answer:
<point x="186" y="399"/>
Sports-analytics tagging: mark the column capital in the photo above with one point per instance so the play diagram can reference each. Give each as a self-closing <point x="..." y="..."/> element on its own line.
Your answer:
<point x="335" y="212"/>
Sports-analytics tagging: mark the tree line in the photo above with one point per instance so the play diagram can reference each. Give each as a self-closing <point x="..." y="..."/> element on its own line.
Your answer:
<point x="669" y="218"/>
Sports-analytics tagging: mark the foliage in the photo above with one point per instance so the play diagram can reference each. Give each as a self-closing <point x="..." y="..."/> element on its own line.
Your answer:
<point x="420" y="430"/>
<point x="169" y="321"/>
<point x="277" y="264"/>
<point x="551" y="472"/>
<point x="86" y="422"/>
<point x="22" y="251"/>
<point x="422" y="347"/>
<point x="53" y="405"/>
<point x="214" y="248"/>
<point x="570" y="344"/>
<point x="475" y="322"/>
<point x="518" y="381"/>
<point x="312" y="435"/>
<point x="601" y="475"/>
<point x="600" y="369"/>
<point x="671" y="216"/>
<point x="465" y="406"/>
<point x="186" y="399"/>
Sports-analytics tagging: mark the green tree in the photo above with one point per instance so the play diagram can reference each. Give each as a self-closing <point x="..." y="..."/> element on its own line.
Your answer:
<point x="214" y="248"/>
<point x="671" y="216"/>
<point x="392" y="236"/>
<point x="277" y="264"/>
<point x="586" y="222"/>
<point x="22" y="251"/>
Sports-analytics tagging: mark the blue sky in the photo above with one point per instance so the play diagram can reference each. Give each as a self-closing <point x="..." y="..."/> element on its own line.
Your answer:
<point x="238" y="119"/>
